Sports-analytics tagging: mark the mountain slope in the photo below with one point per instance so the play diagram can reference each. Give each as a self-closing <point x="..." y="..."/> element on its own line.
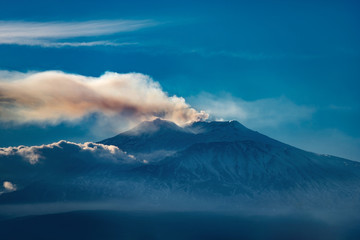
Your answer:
<point x="152" y="136"/>
<point x="161" y="135"/>
<point x="244" y="171"/>
<point x="163" y="163"/>
<point x="227" y="159"/>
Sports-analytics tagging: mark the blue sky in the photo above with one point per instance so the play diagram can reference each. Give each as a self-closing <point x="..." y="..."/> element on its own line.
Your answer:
<point x="287" y="69"/>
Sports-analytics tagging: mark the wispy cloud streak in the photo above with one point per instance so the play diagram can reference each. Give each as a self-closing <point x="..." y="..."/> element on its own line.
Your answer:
<point x="48" y="34"/>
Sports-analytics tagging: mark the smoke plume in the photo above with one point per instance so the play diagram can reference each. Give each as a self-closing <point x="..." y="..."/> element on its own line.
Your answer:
<point x="51" y="97"/>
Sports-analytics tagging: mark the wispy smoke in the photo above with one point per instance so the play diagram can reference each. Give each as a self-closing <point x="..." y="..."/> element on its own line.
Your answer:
<point x="261" y="113"/>
<point x="51" y="97"/>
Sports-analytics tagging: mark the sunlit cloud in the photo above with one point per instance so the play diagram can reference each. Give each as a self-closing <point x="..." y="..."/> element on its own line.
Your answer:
<point x="33" y="154"/>
<point x="8" y="187"/>
<point x="22" y="165"/>
<point x="62" y="34"/>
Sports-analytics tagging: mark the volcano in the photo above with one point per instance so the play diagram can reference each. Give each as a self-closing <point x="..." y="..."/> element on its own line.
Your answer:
<point x="217" y="163"/>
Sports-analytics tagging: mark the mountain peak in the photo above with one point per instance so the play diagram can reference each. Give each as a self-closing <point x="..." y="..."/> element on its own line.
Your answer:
<point x="159" y="123"/>
<point x="206" y="126"/>
<point x="162" y="135"/>
<point x="154" y="126"/>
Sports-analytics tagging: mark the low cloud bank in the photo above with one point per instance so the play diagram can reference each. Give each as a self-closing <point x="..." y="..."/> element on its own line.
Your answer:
<point x="34" y="154"/>
<point x="52" y="97"/>
<point x="61" y="168"/>
<point x="59" y="163"/>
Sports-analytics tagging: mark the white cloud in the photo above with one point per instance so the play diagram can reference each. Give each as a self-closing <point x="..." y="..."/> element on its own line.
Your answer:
<point x="51" y="97"/>
<point x="68" y="161"/>
<point x="48" y="34"/>
<point x="28" y="153"/>
<point x="102" y="152"/>
<point x="268" y="112"/>
<point x="79" y="44"/>
<point x="9" y="186"/>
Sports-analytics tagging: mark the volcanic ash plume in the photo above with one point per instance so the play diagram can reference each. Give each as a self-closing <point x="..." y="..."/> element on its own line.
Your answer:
<point x="51" y="97"/>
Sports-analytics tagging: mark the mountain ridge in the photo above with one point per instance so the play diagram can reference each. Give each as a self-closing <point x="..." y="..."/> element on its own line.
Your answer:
<point x="162" y="133"/>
